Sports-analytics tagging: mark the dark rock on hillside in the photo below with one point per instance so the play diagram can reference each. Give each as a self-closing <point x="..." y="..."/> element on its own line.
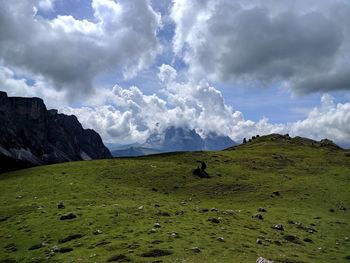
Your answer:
<point x="119" y="258"/>
<point x="68" y="216"/>
<point x="156" y="253"/>
<point x="32" y="135"/>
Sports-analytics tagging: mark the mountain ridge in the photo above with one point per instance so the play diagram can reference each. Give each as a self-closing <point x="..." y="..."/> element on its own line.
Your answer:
<point x="32" y="134"/>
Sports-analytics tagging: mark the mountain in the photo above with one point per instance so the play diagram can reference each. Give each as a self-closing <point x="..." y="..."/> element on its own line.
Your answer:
<point x="134" y="152"/>
<point x="214" y="142"/>
<point x="176" y="139"/>
<point x="33" y="135"/>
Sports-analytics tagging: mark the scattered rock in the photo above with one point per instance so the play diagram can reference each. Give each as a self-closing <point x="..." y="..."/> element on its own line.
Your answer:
<point x="261" y="209"/>
<point x="291" y="238"/>
<point x="119" y="258"/>
<point x="140" y="207"/>
<point x="220" y="239"/>
<point x="215" y="220"/>
<point x="278" y="227"/>
<point x="157" y="225"/>
<point x="214" y="209"/>
<point x="341" y="207"/>
<point x="65" y="249"/>
<point x="204" y="210"/>
<point x="68" y="216"/>
<point x="154" y="189"/>
<point x="258" y="216"/>
<point x="11" y="247"/>
<point x="36" y="246"/>
<point x="160" y="213"/>
<point x="153" y="230"/>
<point x="60" y="205"/>
<point x="259" y="241"/>
<point x="276" y="193"/>
<point x="155" y="253"/>
<point x="195" y="249"/>
<point x="97" y="232"/>
<point x="57" y="249"/>
<point x="174" y="234"/>
<point x="263" y="260"/>
<point x="308" y="240"/>
<point x="157" y="241"/>
<point x="70" y="238"/>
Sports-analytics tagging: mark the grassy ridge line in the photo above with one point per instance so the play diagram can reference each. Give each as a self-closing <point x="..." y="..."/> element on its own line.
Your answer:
<point x="106" y="195"/>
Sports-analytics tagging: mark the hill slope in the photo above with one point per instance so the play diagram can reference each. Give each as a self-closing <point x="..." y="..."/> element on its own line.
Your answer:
<point x="119" y="202"/>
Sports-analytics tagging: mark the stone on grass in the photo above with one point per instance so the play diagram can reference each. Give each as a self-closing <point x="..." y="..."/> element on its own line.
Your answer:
<point x="155" y="253"/>
<point x="215" y="220"/>
<point x="263" y="260"/>
<point x="258" y="216"/>
<point x="60" y="205"/>
<point x="36" y="246"/>
<point x="161" y="213"/>
<point x="292" y="239"/>
<point x="97" y="232"/>
<point x="70" y="238"/>
<point x="68" y="216"/>
<point x="119" y="258"/>
<point x="195" y="249"/>
<point x="11" y="247"/>
<point x="278" y="227"/>
<point x="220" y="239"/>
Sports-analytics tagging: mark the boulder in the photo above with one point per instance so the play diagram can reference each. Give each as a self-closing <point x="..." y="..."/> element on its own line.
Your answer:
<point x="68" y="216"/>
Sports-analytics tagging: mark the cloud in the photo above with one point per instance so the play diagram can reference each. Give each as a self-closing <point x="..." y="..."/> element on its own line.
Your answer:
<point x="330" y="120"/>
<point x="132" y="116"/>
<point x="127" y="115"/>
<point x="18" y="86"/>
<point x="305" y="45"/>
<point x="71" y="53"/>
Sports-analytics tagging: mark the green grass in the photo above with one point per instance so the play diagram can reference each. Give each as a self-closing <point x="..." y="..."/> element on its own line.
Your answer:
<point x="106" y="195"/>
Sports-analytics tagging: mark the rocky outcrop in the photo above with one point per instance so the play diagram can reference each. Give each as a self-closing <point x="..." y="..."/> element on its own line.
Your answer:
<point x="31" y="134"/>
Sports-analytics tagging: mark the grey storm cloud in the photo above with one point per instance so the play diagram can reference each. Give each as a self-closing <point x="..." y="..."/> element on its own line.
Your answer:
<point x="304" y="45"/>
<point x="71" y="53"/>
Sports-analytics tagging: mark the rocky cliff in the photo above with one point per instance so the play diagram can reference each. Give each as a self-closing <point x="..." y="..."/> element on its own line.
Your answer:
<point x="31" y="134"/>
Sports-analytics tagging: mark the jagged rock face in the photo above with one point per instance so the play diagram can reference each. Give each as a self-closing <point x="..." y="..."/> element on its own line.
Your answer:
<point x="183" y="139"/>
<point x="31" y="133"/>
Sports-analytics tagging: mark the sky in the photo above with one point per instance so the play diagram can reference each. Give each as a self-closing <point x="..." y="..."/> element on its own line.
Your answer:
<point x="130" y="68"/>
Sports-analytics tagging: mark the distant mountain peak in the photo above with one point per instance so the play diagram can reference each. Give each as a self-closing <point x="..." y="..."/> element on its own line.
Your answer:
<point x="186" y="139"/>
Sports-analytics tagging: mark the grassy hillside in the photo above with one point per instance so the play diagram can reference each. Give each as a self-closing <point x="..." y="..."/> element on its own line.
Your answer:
<point x="119" y="202"/>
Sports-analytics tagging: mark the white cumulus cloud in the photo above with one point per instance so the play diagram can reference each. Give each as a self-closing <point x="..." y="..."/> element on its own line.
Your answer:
<point x="71" y="53"/>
